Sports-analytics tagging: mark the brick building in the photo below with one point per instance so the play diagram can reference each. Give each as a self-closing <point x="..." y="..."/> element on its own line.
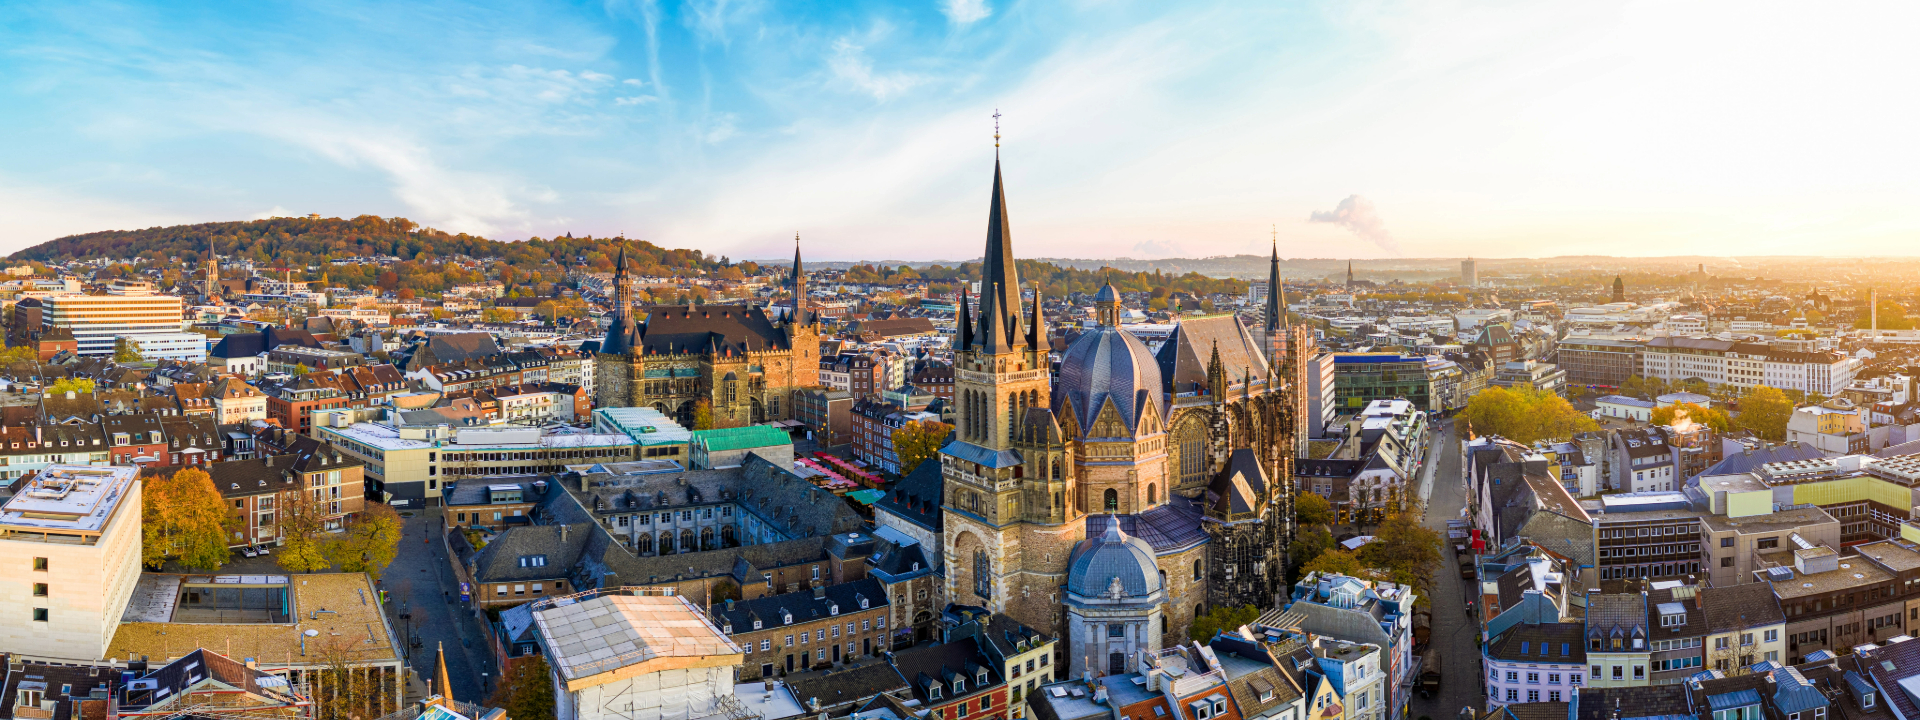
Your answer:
<point x="817" y="628"/>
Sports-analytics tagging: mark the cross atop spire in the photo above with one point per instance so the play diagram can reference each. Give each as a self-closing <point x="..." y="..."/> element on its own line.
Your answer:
<point x="996" y="128"/>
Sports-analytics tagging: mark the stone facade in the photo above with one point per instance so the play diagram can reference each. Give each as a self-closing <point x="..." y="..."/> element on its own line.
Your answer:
<point x="1125" y="438"/>
<point x="746" y="368"/>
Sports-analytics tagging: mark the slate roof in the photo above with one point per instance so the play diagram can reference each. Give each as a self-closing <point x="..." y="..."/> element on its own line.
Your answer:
<point x="917" y="497"/>
<point x="1660" y="600"/>
<point x="804" y="606"/>
<point x="939" y="662"/>
<point x="501" y="559"/>
<point x="1184" y="357"/>
<point x="699" y="329"/>
<point x="1736" y="607"/>
<point x="1239" y="490"/>
<point x="837" y="688"/>
<point x="1633" y="702"/>
<point x="1169" y="528"/>
<point x="1564" y="642"/>
<point x="461" y="347"/>
<point x="1109" y="365"/>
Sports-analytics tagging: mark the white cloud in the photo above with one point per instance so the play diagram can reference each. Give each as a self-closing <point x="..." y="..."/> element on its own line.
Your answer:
<point x="850" y="64"/>
<point x="37" y="214"/>
<point x="719" y="130"/>
<point x="965" y="12"/>
<point x="635" y="100"/>
<point x="277" y="211"/>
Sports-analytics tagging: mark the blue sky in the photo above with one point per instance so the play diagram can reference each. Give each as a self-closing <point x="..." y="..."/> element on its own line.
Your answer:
<point x="1354" y="129"/>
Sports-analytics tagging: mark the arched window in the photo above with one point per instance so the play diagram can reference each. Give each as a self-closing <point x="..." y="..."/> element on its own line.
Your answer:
<point x="706" y="539"/>
<point x="645" y="544"/>
<point x="1153" y="494"/>
<point x="728" y="538"/>
<point x="687" y="543"/>
<point x="1193" y="454"/>
<point x="1113" y="500"/>
<point x="1163" y="580"/>
<point x="666" y="543"/>
<point x="982" y="574"/>
<point x="1196" y="611"/>
<point x="1198" y="570"/>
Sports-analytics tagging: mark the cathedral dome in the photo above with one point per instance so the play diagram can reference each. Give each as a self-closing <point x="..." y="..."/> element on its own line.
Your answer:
<point x="1113" y="560"/>
<point x="1104" y="363"/>
<point x="1107" y="294"/>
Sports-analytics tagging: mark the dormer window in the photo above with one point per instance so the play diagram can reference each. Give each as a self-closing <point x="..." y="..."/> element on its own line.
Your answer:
<point x="959" y="685"/>
<point x="980" y="678"/>
<point x="786" y="618"/>
<point x="1866" y="701"/>
<point x="833" y="609"/>
<point x="863" y="603"/>
<point x="1668" y="621"/>
<point x="933" y="692"/>
<point x="756" y="624"/>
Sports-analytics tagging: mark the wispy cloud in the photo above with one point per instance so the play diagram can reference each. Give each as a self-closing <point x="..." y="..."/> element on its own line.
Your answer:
<point x="851" y="66"/>
<point x="965" y="12"/>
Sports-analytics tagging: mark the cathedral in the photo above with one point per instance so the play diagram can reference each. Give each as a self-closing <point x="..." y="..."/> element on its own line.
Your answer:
<point x="745" y="366"/>
<point x="1114" y="502"/>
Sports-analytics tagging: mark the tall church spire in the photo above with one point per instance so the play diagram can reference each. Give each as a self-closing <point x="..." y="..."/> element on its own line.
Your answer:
<point x="999" y="330"/>
<point x="799" y="285"/>
<point x="1276" y="302"/>
<point x="623" y="334"/>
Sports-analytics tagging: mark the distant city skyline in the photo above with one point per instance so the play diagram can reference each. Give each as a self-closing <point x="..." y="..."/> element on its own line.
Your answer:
<point x="1148" y="130"/>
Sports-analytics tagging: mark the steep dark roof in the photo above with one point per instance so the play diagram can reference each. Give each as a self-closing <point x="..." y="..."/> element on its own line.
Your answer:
<point x="999" y="328"/>
<point x="918" y="496"/>
<point x="505" y="558"/>
<point x="1184" y="357"/>
<point x="461" y="347"/>
<point x="1171" y="526"/>
<point x="698" y="329"/>
<point x="1563" y="642"/>
<point x="804" y="606"/>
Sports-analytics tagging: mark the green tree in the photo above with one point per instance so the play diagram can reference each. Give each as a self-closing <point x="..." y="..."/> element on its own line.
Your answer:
<point x="370" y="543"/>
<point x="1309" y="544"/>
<point x="918" y="441"/>
<point x="124" y="352"/>
<point x="303" y="525"/>
<point x="1403" y="550"/>
<point x="184" y="516"/>
<point x="1525" y="416"/>
<point x="525" y="689"/>
<point x="1310" y="510"/>
<point x="1709" y="417"/>
<point x="1336" y="562"/>
<point x="80" y="386"/>
<point x="1225" y="618"/>
<point x="1764" y="411"/>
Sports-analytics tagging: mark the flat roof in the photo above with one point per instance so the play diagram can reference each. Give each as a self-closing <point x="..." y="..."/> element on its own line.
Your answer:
<point x="1853" y="572"/>
<point x="353" y="628"/>
<point x="601" y="635"/>
<point x="69" y="498"/>
<point x="379" y="436"/>
<point x="647" y="425"/>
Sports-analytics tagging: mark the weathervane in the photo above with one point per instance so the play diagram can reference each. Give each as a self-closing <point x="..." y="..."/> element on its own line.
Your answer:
<point x="996" y="127"/>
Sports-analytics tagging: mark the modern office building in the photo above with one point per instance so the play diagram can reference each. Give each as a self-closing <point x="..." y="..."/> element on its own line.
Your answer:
<point x="130" y="309"/>
<point x="185" y="347"/>
<point x="70" y="546"/>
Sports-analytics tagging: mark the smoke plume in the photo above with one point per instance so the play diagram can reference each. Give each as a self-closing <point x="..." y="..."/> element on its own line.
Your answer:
<point x="1357" y="215"/>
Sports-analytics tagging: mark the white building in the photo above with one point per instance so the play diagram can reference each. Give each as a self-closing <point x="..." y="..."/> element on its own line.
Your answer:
<point x="1539" y="662"/>
<point x="185" y="347"/>
<point x="130" y="310"/>
<point x="636" y="657"/>
<point x="1627" y="408"/>
<point x="70" y="546"/>
<point x="373" y="317"/>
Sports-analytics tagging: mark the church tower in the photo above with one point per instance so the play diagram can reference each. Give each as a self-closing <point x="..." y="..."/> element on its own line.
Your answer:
<point x="213" y="272"/>
<point x="1619" y="289"/>
<point x="613" y="366"/>
<point x="993" y="488"/>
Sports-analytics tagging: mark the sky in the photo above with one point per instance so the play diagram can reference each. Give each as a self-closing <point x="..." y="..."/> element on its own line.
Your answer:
<point x="1357" y="128"/>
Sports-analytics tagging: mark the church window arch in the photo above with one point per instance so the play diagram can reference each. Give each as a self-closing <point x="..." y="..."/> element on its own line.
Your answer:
<point x="1191" y="439"/>
<point x="1199" y="570"/>
<point x="982" y="574"/>
<point x="1112" y="500"/>
<point x="1153" y="494"/>
<point x="644" y="546"/>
